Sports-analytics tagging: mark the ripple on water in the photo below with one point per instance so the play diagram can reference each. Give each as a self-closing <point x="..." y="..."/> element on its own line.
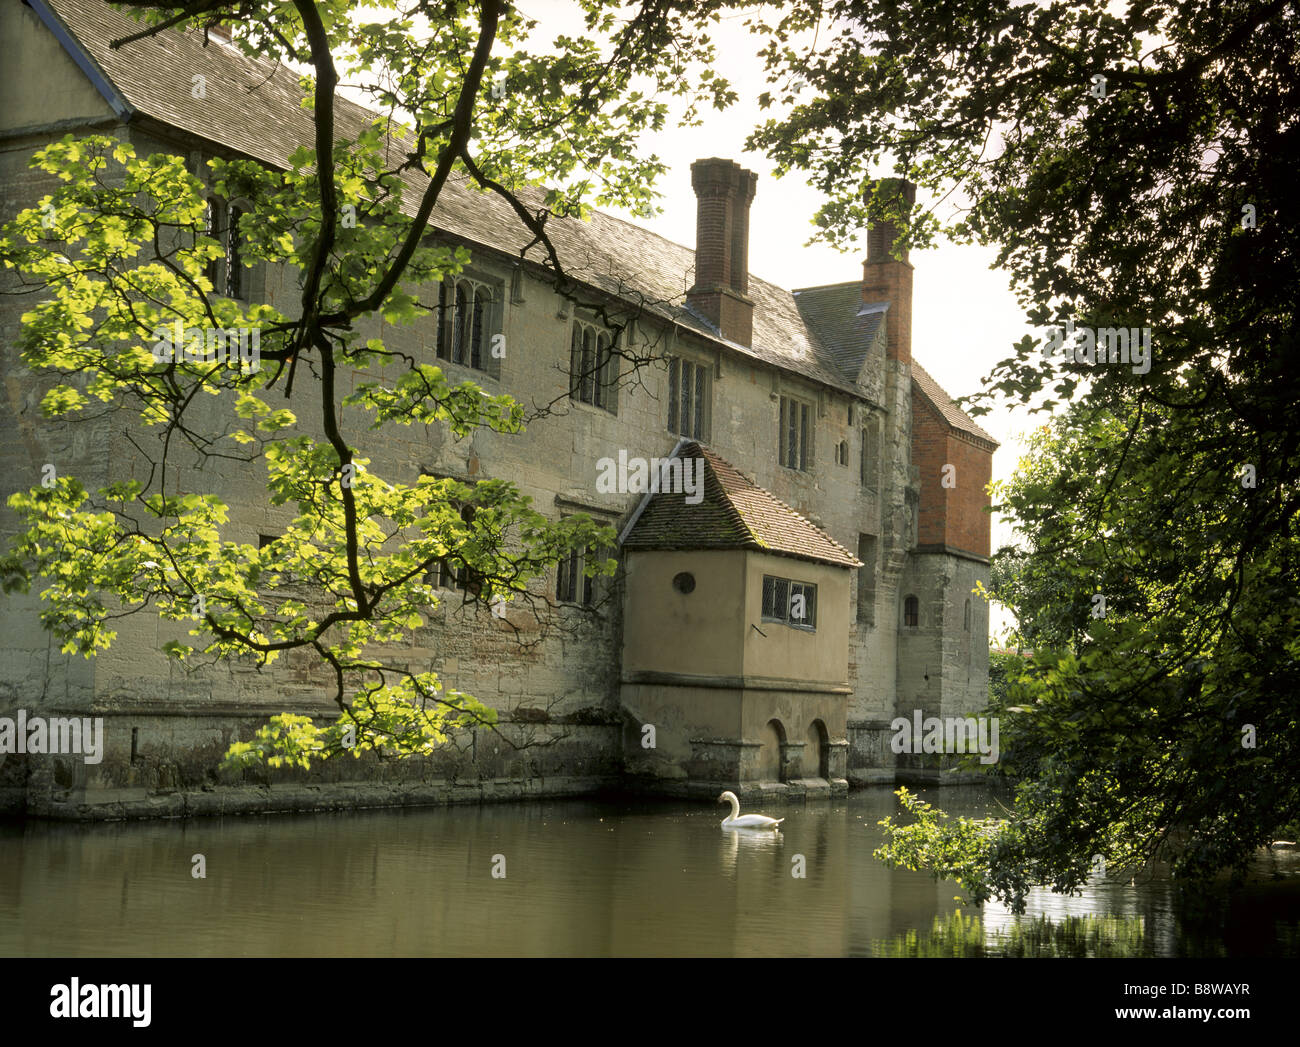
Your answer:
<point x="581" y="878"/>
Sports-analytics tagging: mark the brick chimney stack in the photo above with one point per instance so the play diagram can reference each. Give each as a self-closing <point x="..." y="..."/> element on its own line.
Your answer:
<point x="889" y="279"/>
<point x="218" y="31"/>
<point x="723" y="190"/>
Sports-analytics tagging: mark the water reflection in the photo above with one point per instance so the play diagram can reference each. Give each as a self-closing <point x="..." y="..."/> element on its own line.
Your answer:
<point x="582" y="878"/>
<point x="750" y="841"/>
<point x="964" y="934"/>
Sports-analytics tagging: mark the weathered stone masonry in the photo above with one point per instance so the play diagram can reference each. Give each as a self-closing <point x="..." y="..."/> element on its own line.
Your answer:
<point x="782" y="710"/>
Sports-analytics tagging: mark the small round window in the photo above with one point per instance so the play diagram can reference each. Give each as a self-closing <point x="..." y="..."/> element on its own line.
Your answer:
<point x="684" y="582"/>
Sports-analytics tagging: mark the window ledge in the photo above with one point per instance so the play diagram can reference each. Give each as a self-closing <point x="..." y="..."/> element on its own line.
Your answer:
<point x="602" y="411"/>
<point x="446" y="365"/>
<point x="789" y="625"/>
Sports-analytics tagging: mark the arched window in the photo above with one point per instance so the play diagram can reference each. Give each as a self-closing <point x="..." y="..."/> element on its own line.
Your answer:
<point x="593" y="371"/>
<point x="228" y="276"/>
<point x="911" y="612"/>
<point x="966" y="619"/>
<point x="235" y="282"/>
<point x="214" y="230"/>
<point x="467" y="320"/>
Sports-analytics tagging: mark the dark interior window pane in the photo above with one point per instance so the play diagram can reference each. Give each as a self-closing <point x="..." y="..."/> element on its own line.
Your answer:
<point x="459" y="330"/>
<point x="566" y="588"/>
<point x="698" y="432"/>
<point x="234" y="264"/>
<point x="673" y="368"/>
<point x="575" y="363"/>
<point x="213" y="271"/>
<point x="609" y="374"/>
<point x="598" y="380"/>
<point x="476" y="334"/>
<point x="686" y="398"/>
<point x="444" y="351"/>
<point x="588" y="365"/>
<point x="781" y="601"/>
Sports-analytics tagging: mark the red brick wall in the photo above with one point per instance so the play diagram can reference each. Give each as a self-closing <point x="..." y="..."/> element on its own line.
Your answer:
<point x="929" y="453"/>
<point x="969" y="526"/>
<point x="953" y="516"/>
<point x="714" y="193"/>
<point x="891" y="282"/>
<point x="724" y="191"/>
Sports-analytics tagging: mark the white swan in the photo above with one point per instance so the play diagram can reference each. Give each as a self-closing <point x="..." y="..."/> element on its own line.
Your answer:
<point x="749" y="821"/>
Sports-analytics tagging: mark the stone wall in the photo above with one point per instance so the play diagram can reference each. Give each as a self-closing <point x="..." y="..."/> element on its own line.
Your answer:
<point x="166" y="728"/>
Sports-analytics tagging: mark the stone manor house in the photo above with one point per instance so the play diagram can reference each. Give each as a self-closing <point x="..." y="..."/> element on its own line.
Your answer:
<point x="768" y="628"/>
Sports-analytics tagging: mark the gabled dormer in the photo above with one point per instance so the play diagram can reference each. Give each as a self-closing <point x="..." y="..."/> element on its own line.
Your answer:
<point x="851" y="333"/>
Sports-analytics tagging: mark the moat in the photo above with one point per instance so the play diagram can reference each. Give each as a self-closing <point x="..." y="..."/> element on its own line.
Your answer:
<point x="581" y="878"/>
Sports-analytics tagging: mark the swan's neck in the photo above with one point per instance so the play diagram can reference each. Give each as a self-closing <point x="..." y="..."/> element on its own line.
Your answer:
<point x="735" y="808"/>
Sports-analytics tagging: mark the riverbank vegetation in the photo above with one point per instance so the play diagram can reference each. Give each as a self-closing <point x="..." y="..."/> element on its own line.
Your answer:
<point x="1134" y="166"/>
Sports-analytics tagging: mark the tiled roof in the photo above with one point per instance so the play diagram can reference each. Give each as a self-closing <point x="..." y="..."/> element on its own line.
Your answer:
<point x="252" y="107"/>
<point x="844" y="325"/>
<point x="943" y="403"/>
<point x="733" y="514"/>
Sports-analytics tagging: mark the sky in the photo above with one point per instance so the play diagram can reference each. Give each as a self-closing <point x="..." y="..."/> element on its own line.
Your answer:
<point x="964" y="316"/>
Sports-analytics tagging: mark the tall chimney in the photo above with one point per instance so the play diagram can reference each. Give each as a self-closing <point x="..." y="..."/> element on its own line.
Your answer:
<point x="723" y="190"/>
<point x="888" y="279"/>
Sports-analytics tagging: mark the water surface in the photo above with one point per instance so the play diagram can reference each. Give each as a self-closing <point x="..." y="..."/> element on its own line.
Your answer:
<point x="582" y="878"/>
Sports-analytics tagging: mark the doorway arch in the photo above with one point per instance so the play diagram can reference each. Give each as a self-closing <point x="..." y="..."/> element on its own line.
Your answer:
<point x="770" y="755"/>
<point x="816" y="751"/>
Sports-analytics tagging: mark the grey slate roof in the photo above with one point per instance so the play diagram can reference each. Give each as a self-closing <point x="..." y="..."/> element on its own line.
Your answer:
<point x="844" y="325"/>
<point x="252" y="107"/>
<point x="735" y="513"/>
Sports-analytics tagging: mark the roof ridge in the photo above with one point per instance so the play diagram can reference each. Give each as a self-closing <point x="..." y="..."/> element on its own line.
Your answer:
<point x="825" y="287"/>
<point x="971" y="426"/>
<point x="279" y="69"/>
<point x="781" y="502"/>
<point x="257" y="114"/>
<point x="730" y="506"/>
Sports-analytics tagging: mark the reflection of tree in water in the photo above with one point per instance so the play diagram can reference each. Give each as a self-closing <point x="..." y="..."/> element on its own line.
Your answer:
<point x="960" y="935"/>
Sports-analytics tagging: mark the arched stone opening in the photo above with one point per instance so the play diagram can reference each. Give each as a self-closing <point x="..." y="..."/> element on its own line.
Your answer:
<point x="770" y="755"/>
<point x="816" y="751"/>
